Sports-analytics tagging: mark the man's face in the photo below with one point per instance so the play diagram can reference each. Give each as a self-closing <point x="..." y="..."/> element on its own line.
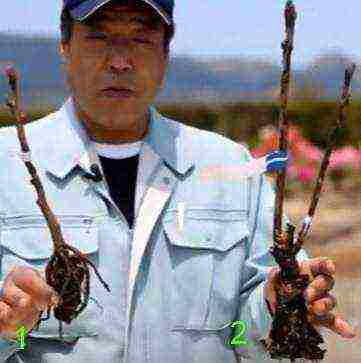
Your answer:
<point x="123" y="47"/>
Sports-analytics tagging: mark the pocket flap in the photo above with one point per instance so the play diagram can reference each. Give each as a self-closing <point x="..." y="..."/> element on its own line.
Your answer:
<point x="211" y="229"/>
<point x="30" y="238"/>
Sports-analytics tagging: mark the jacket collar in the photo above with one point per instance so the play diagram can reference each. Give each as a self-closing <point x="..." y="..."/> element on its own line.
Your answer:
<point x="165" y="137"/>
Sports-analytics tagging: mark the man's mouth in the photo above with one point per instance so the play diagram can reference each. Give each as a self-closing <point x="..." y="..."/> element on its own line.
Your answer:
<point x="112" y="92"/>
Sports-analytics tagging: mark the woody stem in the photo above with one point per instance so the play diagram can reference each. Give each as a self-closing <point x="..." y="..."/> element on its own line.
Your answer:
<point x="333" y="138"/>
<point x="287" y="46"/>
<point x="20" y="120"/>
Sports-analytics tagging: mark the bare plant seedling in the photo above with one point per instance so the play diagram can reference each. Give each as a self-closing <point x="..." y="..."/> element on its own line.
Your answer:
<point x="292" y="336"/>
<point x="67" y="270"/>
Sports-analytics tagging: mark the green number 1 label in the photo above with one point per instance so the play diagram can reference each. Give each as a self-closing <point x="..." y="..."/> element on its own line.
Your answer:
<point x="21" y="337"/>
<point x="238" y="339"/>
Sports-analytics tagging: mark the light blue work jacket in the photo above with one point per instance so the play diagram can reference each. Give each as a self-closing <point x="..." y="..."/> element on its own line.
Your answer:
<point x="195" y="261"/>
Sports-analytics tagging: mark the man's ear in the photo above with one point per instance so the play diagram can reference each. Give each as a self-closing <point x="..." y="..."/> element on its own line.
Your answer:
<point x="63" y="51"/>
<point x="162" y="84"/>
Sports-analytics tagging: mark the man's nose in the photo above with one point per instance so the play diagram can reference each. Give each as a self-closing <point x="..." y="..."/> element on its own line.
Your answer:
<point x="120" y="63"/>
<point x="119" y="59"/>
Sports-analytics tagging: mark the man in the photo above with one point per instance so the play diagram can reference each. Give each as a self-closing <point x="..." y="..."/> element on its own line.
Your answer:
<point x="184" y="255"/>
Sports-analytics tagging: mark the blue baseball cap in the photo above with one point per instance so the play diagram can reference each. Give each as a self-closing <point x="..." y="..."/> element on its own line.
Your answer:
<point x="81" y="9"/>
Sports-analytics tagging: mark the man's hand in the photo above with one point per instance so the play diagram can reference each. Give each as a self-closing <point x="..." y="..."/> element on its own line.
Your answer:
<point x="318" y="299"/>
<point x="24" y="295"/>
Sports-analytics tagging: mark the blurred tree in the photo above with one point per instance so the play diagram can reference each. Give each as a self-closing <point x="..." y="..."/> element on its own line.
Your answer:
<point x="308" y="88"/>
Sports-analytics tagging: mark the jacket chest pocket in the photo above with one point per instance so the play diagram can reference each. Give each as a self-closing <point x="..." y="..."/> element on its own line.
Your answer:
<point x="206" y="258"/>
<point x="26" y="241"/>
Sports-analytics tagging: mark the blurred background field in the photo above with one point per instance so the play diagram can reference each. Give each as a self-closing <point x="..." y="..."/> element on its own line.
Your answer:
<point x="336" y="233"/>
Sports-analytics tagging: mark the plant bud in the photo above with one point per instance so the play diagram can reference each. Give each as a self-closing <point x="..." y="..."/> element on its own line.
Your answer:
<point x="12" y="77"/>
<point x="11" y="72"/>
<point x="23" y="118"/>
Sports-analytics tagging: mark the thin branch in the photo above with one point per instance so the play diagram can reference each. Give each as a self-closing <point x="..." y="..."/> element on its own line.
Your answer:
<point x="333" y="138"/>
<point x="67" y="267"/>
<point x="21" y="120"/>
<point x="287" y="46"/>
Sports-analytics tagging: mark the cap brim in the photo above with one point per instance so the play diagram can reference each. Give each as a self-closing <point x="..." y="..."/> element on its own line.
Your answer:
<point x="85" y="9"/>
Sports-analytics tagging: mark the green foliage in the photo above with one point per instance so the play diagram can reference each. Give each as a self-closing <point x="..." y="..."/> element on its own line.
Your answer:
<point x="198" y="115"/>
<point x="241" y="121"/>
<point x="6" y="118"/>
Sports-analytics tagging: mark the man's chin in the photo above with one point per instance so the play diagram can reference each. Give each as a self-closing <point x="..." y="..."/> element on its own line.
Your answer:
<point x="122" y="100"/>
<point x="105" y="106"/>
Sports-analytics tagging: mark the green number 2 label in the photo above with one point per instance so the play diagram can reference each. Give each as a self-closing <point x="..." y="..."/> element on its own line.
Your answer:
<point x="21" y="337"/>
<point x="238" y="339"/>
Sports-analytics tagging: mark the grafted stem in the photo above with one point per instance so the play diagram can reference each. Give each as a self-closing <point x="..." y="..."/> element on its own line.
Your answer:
<point x="67" y="269"/>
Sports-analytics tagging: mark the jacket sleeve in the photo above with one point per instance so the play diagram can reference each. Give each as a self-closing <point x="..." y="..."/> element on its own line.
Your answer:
<point x="7" y="347"/>
<point x="253" y="310"/>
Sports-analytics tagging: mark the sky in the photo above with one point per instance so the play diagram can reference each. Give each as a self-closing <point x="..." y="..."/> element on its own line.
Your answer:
<point x="219" y="28"/>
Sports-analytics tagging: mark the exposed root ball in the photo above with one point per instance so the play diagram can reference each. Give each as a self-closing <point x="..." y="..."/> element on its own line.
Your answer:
<point x="67" y="272"/>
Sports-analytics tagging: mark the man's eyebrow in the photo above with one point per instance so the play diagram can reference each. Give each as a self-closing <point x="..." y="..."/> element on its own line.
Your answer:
<point x="99" y="21"/>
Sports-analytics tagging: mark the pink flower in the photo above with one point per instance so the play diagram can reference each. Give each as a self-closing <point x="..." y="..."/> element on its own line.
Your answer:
<point x="294" y="134"/>
<point x="306" y="174"/>
<point x="299" y="147"/>
<point x="346" y="157"/>
<point x="309" y="152"/>
<point x="266" y="132"/>
<point x="258" y="152"/>
<point x="305" y="157"/>
<point x="292" y="172"/>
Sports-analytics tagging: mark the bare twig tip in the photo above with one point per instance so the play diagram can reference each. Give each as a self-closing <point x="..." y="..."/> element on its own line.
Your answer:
<point x="350" y="70"/>
<point x="290" y="11"/>
<point x="11" y="72"/>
